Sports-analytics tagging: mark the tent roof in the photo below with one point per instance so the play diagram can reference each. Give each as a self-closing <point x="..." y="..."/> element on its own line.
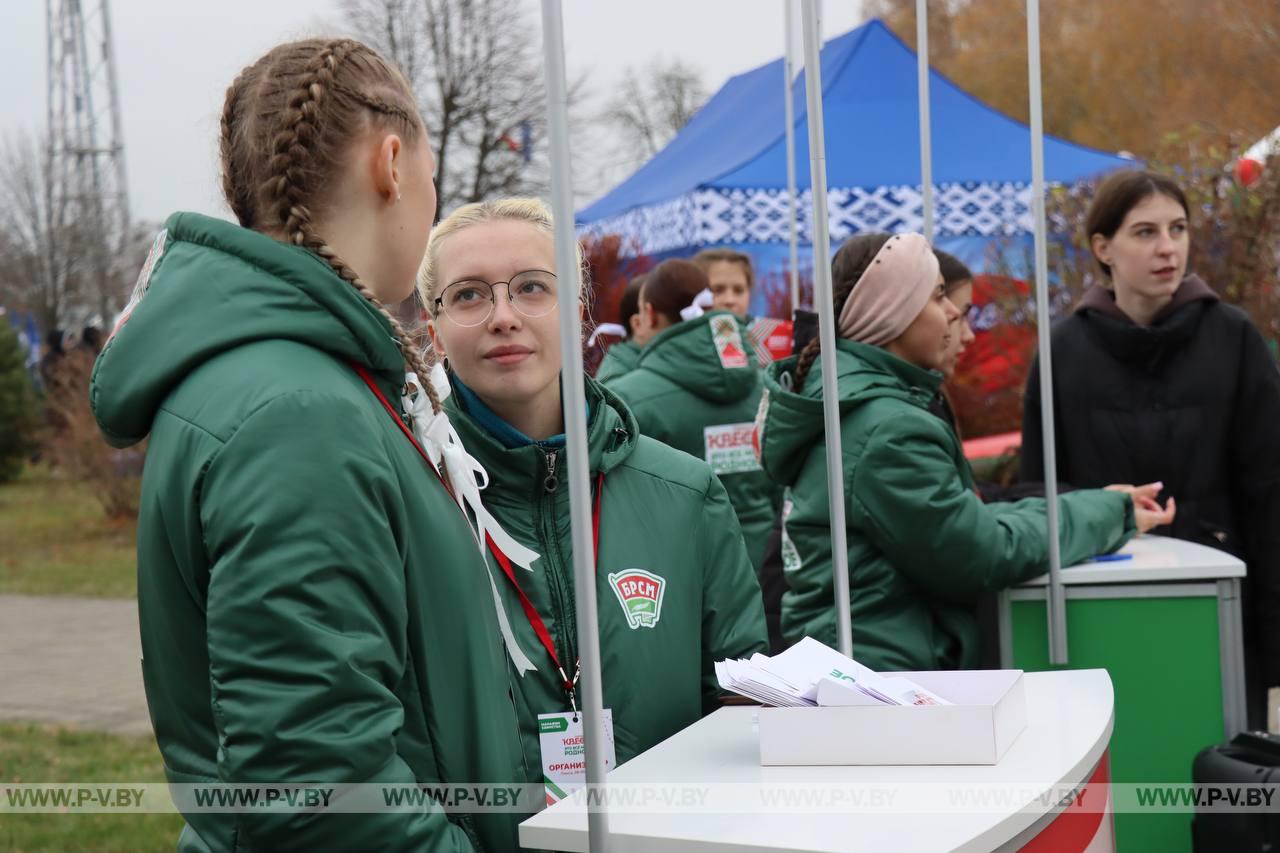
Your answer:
<point x="737" y="140"/>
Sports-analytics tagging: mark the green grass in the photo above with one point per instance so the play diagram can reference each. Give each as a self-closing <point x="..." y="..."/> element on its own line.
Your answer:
<point x="37" y="753"/>
<point x="58" y="541"/>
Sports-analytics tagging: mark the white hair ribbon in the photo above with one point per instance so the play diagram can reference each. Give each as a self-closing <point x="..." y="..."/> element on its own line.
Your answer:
<point x="698" y="306"/>
<point x="467" y="477"/>
<point x="612" y="329"/>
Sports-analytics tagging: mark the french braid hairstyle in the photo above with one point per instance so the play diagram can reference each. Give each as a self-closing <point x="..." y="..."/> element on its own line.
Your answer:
<point x="287" y="123"/>
<point x="850" y="262"/>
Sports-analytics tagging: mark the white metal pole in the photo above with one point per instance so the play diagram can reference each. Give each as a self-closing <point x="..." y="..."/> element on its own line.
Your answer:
<point x="826" y="322"/>
<point x="789" y="72"/>
<point x="117" y="139"/>
<point x="590" y="689"/>
<point x="1057" y="599"/>
<point x="926" y="139"/>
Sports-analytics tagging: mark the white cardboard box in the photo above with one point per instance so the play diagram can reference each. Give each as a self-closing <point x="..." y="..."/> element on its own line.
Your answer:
<point x="988" y="714"/>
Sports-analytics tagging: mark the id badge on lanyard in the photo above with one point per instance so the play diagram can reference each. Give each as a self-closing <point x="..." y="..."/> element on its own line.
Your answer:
<point x="560" y="739"/>
<point x="564" y="756"/>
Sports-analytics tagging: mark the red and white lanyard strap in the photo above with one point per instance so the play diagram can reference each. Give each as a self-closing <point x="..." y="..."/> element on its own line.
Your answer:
<point x="535" y="620"/>
<point x="531" y="612"/>
<point x="377" y="392"/>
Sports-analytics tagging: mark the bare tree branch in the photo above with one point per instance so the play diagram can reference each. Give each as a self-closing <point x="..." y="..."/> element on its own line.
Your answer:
<point x="477" y="76"/>
<point x="653" y="105"/>
<point x="40" y="267"/>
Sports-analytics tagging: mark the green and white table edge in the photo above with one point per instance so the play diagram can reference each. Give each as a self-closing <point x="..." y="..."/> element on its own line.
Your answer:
<point x="1160" y="567"/>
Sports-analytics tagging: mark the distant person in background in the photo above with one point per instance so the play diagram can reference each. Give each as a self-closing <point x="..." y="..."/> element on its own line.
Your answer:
<point x="697" y="389"/>
<point x="732" y="281"/>
<point x="1154" y="377"/>
<point x="622" y="356"/>
<point x="52" y="356"/>
<point x="731" y="277"/>
<point x="91" y="340"/>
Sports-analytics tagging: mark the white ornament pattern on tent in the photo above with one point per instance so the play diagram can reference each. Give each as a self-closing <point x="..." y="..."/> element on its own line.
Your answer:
<point x="708" y="217"/>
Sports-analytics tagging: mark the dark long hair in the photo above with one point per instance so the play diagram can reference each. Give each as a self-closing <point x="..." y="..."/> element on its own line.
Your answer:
<point x="1118" y="195"/>
<point x="850" y="262"/>
<point x="629" y="305"/>
<point x="671" y="286"/>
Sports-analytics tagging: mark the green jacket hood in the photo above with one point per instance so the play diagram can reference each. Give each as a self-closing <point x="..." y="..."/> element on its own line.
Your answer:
<point x="707" y="356"/>
<point x="789" y="424"/>
<point x="210" y="287"/>
<point x="611" y="437"/>
<point x="619" y="359"/>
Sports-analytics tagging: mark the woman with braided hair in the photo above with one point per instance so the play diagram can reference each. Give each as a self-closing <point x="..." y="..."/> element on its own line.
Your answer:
<point x="922" y="546"/>
<point x="313" y="604"/>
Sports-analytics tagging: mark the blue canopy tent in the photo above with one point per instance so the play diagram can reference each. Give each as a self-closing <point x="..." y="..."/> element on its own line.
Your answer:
<point x="722" y="180"/>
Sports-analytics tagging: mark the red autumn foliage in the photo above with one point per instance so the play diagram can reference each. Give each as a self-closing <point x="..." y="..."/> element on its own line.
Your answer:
<point x="775" y="284"/>
<point x="609" y="273"/>
<point x="986" y="391"/>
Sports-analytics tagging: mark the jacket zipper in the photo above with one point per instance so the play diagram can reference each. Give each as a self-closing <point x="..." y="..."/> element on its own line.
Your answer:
<point x="550" y="482"/>
<point x="561" y="596"/>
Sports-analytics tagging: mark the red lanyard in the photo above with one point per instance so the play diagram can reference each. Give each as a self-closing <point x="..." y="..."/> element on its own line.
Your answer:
<point x="531" y="612"/>
<point x="377" y="392"/>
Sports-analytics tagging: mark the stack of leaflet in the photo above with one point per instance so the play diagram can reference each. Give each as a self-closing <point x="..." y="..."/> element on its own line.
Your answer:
<point x="810" y="673"/>
<point x="747" y="678"/>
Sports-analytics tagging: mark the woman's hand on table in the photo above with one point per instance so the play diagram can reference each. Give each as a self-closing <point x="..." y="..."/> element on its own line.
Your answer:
<point x="1147" y="511"/>
<point x="1144" y="497"/>
<point x="1148" y="514"/>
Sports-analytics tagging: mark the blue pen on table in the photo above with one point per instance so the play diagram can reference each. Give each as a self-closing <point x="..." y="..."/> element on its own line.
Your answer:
<point x="1110" y="558"/>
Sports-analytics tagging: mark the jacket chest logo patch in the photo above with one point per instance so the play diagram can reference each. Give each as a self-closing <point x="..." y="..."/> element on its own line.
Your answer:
<point x="640" y="594"/>
<point x="729" y="346"/>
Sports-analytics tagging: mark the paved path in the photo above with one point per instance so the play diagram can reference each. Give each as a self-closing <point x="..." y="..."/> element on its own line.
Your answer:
<point x="74" y="661"/>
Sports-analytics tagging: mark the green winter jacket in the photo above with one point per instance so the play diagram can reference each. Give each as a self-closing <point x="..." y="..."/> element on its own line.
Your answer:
<point x="690" y="390"/>
<point x="313" y="605"/>
<point x="619" y="359"/>
<point x="922" y="545"/>
<point x="662" y="513"/>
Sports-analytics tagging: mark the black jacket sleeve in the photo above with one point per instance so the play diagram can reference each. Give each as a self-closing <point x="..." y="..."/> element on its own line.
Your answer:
<point x="1031" y="459"/>
<point x="1256" y="457"/>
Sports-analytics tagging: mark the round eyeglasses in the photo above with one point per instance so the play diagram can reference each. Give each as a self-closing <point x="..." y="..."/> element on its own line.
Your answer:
<point x="470" y="302"/>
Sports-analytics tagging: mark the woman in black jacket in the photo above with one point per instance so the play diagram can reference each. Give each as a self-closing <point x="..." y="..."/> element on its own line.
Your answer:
<point x="1156" y="379"/>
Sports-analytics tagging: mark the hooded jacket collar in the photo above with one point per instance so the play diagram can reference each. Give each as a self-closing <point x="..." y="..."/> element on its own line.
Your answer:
<point x="612" y="434"/>
<point x="214" y="287"/>
<point x="790" y="424"/>
<point x="1170" y="329"/>
<point x="1102" y="300"/>
<point x="707" y="356"/>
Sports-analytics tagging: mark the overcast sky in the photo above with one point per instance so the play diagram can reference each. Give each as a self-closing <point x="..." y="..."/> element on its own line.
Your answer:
<point x="175" y="59"/>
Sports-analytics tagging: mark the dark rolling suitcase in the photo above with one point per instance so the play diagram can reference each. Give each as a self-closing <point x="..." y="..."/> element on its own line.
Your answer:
<point x="1251" y="758"/>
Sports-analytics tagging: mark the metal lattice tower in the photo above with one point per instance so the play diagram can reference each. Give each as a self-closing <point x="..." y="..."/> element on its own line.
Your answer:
<point x="86" y="145"/>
